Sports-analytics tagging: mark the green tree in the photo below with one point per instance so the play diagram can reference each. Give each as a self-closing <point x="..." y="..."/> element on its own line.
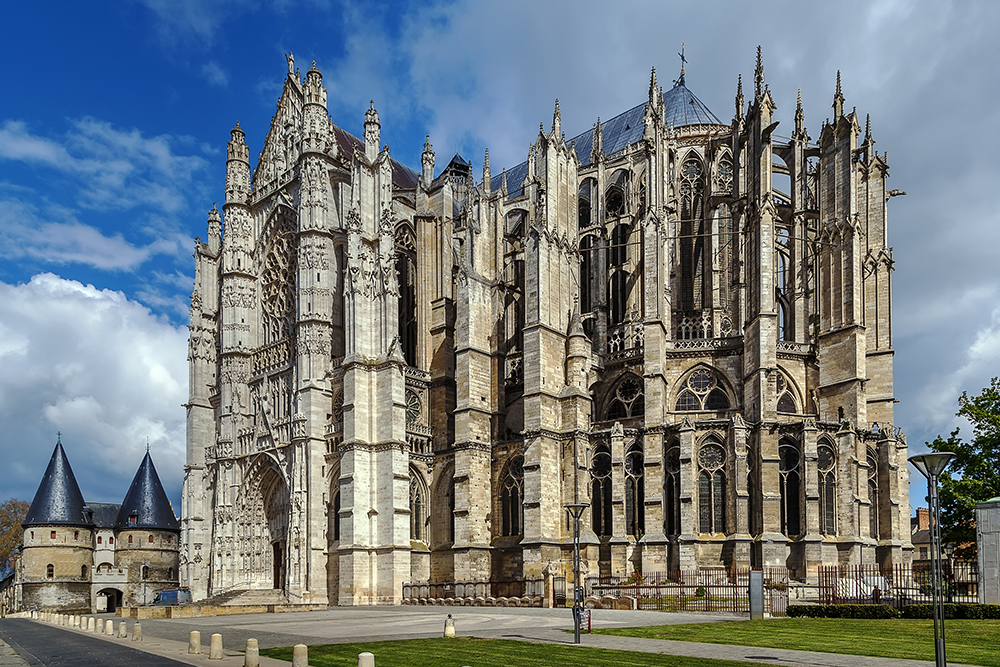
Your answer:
<point x="974" y="474"/>
<point x="12" y="513"/>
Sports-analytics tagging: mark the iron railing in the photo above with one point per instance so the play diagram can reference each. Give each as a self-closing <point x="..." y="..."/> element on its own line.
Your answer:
<point x="896" y="585"/>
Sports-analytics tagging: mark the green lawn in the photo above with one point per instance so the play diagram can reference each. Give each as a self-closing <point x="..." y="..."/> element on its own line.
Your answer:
<point x="971" y="642"/>
<point x="488" y="653"/>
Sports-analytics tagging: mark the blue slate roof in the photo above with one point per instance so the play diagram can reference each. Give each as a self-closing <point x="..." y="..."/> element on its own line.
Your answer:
<point x="681" y="108"/>
<point x="58" y="500"/>
<point x="147" y="502"/>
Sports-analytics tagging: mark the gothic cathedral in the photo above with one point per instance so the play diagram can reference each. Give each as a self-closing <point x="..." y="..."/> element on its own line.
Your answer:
<point x="401" y="376"/>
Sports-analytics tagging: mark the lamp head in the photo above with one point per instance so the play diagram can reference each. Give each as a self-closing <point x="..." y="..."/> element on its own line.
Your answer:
<point x="576" y="509"/>
<point x="931" y="464"/>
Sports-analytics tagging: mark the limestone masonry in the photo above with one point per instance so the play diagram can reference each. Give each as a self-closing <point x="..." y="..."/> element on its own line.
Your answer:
<point x="401" y="376"/>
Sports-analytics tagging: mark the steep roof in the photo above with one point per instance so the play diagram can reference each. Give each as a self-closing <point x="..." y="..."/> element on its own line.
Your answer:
<point x="402" y="176"/>
<point x="58" y="500"/>
<point x="147" y="502"/>
<point x="681" y="108"/>
<point x="104" y="514"/>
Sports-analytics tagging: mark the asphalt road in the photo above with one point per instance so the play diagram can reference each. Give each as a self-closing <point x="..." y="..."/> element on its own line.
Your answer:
<point x="50" y="646"/>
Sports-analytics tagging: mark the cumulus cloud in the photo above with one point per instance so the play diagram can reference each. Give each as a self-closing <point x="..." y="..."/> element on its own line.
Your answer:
<point x="100" y="368"/>
<point x="214" y="74"/>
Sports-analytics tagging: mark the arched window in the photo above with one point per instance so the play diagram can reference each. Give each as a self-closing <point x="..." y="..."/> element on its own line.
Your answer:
<point x="618" y="253"/>
<point x="619" y="293"/>
<point x="406" y="270"/>
<point x="827" y="470"/>
<point x="83" y="571"/>
<point x="692" y="236"/>
<point x="336" y="514"/>
<point x="628" y="400"/>
<point x="111" y="540"/>
<point x="635" y="493"/>
<point x="600" y="491"/>
<point x="672" y="490"/>
<point x="150" y="539"/>
<point x="786" y="402"/>
<point x="586" y="269"/>
<point x="418" y="508"/>
<point x="789" y="477"/>
<point x="754" y="500"/>
<point x="130" y="539"/>
<point x="874" y="499"/>
<point x="145" y="572"/>
<point x="451" y="510"/>
<point x="712" y="488"/>
<point x="723" y="181"/>
<point x="615" y="198"/>
<point x="50" y="571"/>
<point x="99" y="539"/>
<point x="511" y="495"/>
<point x="702" y="390"/>
<point x="170" y="573"/>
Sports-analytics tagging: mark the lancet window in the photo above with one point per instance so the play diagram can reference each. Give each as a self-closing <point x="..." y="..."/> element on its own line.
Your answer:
<point x="783" y="285"/>
<point x="277" y="282"/>
<point x="789" y="466"/>
<point x="511" y="496"/>
<point x="635" y="495"/>
<point x="692" y="237"/>
<point x="628" y="400"/>
<point x="702" y="390"/>
<point x="827" y="472"/>
<point x="514" y="290"/>
<point x="335" y="515"/>
<point x="874" y="495"/>
<point x="418" y="508"/>
<point x="786" y="401"/>
<point x="672" y="490"/>
<point x="406" y="270"/>
<point x="600" y="490"/>
<point x="712" y="488"/>
<point x="588" y="261"/>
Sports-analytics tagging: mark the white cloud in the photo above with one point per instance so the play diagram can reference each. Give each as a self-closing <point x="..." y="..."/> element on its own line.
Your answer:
<point x="214" y="74"/>
<point x="98" y="367"/>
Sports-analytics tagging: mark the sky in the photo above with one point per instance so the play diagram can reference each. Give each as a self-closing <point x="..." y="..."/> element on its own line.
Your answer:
<point x="114" y="119"/>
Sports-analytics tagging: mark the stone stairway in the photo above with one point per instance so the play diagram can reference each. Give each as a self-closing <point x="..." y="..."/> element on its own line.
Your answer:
<point x="244" y="597"/>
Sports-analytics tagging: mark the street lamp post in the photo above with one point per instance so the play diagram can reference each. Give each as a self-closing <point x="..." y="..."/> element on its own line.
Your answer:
<point x="576" y="511"/>
<point x="931" y="466"/>
<point x="949" y="585"/>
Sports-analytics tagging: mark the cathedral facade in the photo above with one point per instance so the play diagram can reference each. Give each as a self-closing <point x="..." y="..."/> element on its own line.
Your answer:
<point x="404" y="376"/>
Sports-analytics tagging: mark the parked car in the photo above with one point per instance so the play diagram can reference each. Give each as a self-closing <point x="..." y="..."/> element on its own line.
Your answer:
<point x="172" y="596"/>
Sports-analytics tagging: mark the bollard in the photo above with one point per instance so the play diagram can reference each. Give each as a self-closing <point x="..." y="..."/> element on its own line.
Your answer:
<point x="194" y="642"/>
<point x="90" y="623"/>
<point x="122" y="630"/>
<point x="99" y="627"/>
<point x="300" y="655"/>
<point x="449" y="627"/>
<point x="137" y="632"/>
<point x="252" y="658"/>
<point x="215" y="647"/>
<point x="76" y="620"/>
<point x="109" y="627"/>
<point x="366" y="659"/>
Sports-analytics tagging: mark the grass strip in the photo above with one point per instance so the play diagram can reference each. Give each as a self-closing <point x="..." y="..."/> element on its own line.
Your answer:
<point x="971" y="642"/>
<point x="488" y="653"/>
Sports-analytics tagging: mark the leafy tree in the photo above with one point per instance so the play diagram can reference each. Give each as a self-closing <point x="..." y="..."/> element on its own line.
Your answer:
<point x="12" y="513"/>
<point x="974" y="474"/>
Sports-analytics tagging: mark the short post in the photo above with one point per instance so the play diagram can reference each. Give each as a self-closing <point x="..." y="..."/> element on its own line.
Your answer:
<point x="756" y="595"/>
<point x="99" y="627"/>
<point x="194" y="642"/>
<point x="90" y="623"/>
<point x="366" y="659"/>
<point x="137" y="632"/>
<point x="449" y="627"/>
<point x="252" y="656"/>
<point x="215" y="647"/>
<point x="122" y="630"/>
<point x="109" y="628"/>
<point x="300" y="655"/>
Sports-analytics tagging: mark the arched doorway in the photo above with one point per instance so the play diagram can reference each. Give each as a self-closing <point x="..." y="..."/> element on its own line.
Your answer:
<point x="113" y="599"/>
<point x="263" y="527"/>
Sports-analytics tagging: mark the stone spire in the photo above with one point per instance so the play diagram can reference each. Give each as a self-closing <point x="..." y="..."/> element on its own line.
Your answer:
<point x="427" y="162"/>
<point x="58" y="500"/>
<point x="800" y="118"/>
<point x="237" y="167"/>
<point x="654" y="88"/>
<point x="372" y="133"/>
<point x="146" y="504"/>
<point x="838" y="101"/>
<point x="557" y="121"/>
<point x="740" y="102"/>
<point x="486" y="172"/>
<point x="758" y="77"/>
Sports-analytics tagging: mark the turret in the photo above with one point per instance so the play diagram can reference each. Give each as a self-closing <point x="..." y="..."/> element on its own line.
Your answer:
<point x="214" y="230"/>
<point x="427" y="162"/>
<point x="237" y="168"/>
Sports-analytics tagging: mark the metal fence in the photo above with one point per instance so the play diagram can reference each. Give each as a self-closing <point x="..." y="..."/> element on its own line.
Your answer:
<point x="517" y="588"/>
<point x="703" y="589"/>
<point x="896" y="585"/>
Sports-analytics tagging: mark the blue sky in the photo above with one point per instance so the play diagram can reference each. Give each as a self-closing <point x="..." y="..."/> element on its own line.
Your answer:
<point x="114" y="118"/>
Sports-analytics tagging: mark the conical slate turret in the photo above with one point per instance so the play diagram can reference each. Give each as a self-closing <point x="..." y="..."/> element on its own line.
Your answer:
<point x="146" y="504"/>
<point x="58" y="500"/>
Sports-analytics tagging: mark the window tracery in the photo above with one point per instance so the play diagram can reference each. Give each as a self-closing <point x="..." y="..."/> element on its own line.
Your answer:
<point x="628" y="399"/>
<point x="712" y="488"/>
<point x="277" y="281"/>
<point x="600" y="490"/>
<point x="789" y="462"/>
<point x="511" y="494"/>
<point x="418" y="508"/>
<point x="874" y="499"/>
<point x="672" y="490"/>
<point x="786" y="401"/>
<point x="692" y="241"/>
<point x="635" y="496"/>
<point x="826" y="467"/>
<point x="702" y="391"/>
<point x="723" y="181"/>
<point x="412" y="407"/>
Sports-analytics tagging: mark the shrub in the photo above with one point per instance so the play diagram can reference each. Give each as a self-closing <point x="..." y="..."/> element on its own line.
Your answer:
<point x="953" y="610"/>
<point x="700" y="593"/>
<point x="842" y="611"/>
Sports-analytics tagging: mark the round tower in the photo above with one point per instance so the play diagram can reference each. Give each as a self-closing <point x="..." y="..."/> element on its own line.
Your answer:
<point x="147" y="535"/>
<point x="58" y="543"/>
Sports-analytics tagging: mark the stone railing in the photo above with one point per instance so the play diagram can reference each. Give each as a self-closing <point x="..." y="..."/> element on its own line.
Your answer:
<point x="707" y="343"/>
<point x="625" y="341"/>
<point x="273" y="356"/>
<point x="418" y="437"/>
<point x="795" y="348"/>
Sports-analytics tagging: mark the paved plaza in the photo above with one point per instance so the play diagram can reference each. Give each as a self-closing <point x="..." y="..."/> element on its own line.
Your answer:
<point x="167" y="638"/>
